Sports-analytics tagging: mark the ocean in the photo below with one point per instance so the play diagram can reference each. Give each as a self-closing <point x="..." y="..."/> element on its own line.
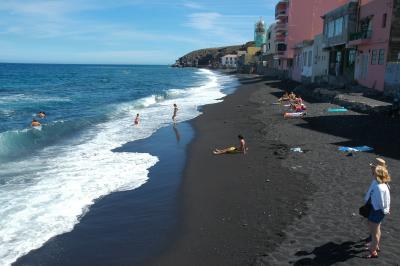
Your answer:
<point x="50" y="176"/>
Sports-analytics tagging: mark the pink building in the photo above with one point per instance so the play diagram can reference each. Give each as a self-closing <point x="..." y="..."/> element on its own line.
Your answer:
<point x="372" y="42"/>
<point x="299" y="20"/>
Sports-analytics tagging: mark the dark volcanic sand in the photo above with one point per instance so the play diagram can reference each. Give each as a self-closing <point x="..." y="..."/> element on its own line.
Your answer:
<point x="276" y="207"/>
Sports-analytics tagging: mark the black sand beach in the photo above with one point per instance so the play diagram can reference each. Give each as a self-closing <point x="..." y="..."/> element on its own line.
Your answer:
<point x="271" y="206"/>
<point x="277" y="207"/>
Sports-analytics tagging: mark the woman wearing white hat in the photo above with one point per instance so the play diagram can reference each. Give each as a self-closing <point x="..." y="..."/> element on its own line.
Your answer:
<point x="379" y="195"/>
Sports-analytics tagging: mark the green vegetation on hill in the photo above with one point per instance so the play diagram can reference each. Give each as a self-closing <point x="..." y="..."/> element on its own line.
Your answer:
<point x="204" y="57"/>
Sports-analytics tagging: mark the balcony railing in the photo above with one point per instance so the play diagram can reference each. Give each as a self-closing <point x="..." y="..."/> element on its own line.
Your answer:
<point x="362" y="35"/>
<point x="281" y="27"/>
<point x="280" y="13"/>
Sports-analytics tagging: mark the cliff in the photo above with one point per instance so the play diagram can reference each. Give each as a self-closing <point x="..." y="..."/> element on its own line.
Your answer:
<point x="209" y="56"/>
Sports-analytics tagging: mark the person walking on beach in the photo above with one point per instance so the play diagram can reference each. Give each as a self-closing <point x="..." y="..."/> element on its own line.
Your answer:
<point x="137" y="119"/>
<point x="379" y="195"/>
<point x="175" y="111"/>
<point x="231" y="150"/>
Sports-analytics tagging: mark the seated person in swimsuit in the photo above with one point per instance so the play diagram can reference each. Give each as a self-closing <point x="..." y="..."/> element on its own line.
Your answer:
<point x="299" y="107"/>
<point x="35" y="123"/>
<point x="241" y="149"/>
<point x="292" y="96"/>
<point x="298" y="100"/>
<point x="285" y="97"/>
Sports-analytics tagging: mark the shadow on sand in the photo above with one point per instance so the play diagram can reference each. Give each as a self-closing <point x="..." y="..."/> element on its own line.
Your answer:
<point x="331" y="253"/>
<point x="380" y="133"/>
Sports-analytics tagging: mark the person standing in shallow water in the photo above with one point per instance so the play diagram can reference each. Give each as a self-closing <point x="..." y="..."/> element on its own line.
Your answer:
<point x="175" y="111"/>
<point x="379" y="194"/>
<point x="137" y="119"/>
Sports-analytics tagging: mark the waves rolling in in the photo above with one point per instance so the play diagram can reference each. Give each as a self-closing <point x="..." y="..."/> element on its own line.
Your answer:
<point x="68" y="164"/>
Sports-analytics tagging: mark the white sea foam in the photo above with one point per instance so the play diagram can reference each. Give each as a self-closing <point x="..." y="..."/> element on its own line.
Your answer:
<point x="47" y="194"/>
<point x="27" y="98"/>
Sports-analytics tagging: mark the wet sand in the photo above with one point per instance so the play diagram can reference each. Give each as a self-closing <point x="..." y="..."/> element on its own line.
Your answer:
<point x="277" y="207"/>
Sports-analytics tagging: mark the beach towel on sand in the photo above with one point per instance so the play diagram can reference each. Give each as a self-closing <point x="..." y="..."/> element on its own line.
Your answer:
<point x="337" y="110"/>
<point x="295" y="114"/>
<point x="359" y="148"/>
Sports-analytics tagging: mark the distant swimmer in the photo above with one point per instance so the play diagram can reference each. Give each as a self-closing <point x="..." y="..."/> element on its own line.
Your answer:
<point x="41" y="114"/>
<point x="35" y="123"/>
<point x="137" y="119"/>
<point x="175" y="111"/>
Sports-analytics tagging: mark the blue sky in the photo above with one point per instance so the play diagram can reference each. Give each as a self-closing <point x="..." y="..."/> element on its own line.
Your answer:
<point x="123" y="31"/>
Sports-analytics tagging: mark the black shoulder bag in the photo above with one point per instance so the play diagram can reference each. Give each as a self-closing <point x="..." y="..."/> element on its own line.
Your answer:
<point x="366" y="208"/>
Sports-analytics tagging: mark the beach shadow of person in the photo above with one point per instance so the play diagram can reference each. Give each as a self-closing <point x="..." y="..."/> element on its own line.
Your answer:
<point x="330" y="253"/>
<point x="176" y="131"/>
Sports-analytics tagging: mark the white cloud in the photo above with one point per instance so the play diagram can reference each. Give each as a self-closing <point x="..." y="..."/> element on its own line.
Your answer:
<point x="203" y="21"/>
<point x="192" y="5"/>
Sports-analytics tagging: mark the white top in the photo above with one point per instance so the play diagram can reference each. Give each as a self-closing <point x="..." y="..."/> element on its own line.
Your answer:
<point x="380" y="196"/>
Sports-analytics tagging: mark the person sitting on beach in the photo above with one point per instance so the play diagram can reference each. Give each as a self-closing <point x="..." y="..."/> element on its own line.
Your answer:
<point x="298" y="100"/>
<point x="231" y="150"/>
<point x="299" y="107"/>
<point x="137" y="119"/>
<point x="41" y="114"/>
<point x="285" y="97"/>
<point x="379" y="196"/>
<point x="292" y="96"/>
<point x="35" y="123"/>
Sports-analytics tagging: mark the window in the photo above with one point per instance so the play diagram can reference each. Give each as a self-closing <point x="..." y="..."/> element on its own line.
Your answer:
<point x="338" y="26"/>
<point x="304" y="59"/>
<point x="352" y="57"/>
<point x="309" y="58"/>
<point x="326" y="29"/>
<point x="373" y="57"/>
<point x="331" y="28"/>
<point x="381" y="58"/>
<point x="384" y="18"/>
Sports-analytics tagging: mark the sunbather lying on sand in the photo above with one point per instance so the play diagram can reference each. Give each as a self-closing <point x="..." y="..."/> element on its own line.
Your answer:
<point x="231" y="150"/>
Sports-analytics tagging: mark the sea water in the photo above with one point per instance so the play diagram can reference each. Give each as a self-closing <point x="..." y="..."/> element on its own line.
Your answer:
<point x="50" y="176"/>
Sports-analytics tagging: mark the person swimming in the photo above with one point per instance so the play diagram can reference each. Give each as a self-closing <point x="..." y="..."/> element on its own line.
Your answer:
<point x="137" y="119"/>
<point x="35" y="123"/>
<point x="231" y="150"/>
<point x="41" y="114"/>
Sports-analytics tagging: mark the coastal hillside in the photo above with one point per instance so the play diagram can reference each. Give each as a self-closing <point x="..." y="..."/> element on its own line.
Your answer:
<point x="207" y="56"/>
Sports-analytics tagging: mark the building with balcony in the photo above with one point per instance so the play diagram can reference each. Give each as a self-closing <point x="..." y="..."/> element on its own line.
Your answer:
<point x="268" y="49"/>
<point x="299" y="20"/>
<point x="339" y="25"/>
<point x="372" y="42"/>
<point x="392" y="73"/>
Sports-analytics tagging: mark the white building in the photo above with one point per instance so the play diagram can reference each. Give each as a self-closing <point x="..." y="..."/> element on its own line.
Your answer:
<point x="229" y="60"/>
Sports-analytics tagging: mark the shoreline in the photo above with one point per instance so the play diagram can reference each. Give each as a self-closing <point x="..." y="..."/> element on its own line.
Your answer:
<point x="127" y="227"/>
<point x="221" y="223"/>
<point x="273" y="206"/>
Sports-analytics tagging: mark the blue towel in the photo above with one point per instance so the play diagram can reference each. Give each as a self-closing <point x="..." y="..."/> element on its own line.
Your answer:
<point x="359" y="148"/>
<point x="337" y="110"/>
